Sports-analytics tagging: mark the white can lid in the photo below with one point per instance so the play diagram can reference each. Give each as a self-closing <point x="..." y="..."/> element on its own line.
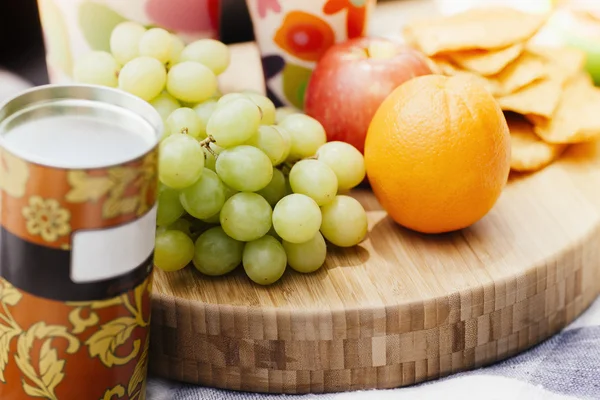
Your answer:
<point x="78" y="126"/>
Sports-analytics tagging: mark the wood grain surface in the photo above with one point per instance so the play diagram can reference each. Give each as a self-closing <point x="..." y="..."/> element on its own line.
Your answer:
<point x="401" y="307"/>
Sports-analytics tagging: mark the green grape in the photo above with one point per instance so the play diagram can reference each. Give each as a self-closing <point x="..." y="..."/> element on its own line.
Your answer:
<point x="234" y="122"/>
<point x="165" y="104"/>
<point x="184" y="120"/>
<point x="314" y="179"/>
<point x="344" y="221"/>
<point x="212" y="53"/>
<point x="346" y="162"/>
<point x="173" y="250"/>
<point x="169" y="208"/>
<point x="244" y="168"/>
<point x="216" y="253"/>
<point x="156" y="43"/>
<point x="287" y="140"/>
<point x="264" y="260"/>
<point x="191" y="82"/>
<point x="276" y="189"/>
<point x="177" y="46"/>
<point x="97" y="68"/>
<point x="182" y="225"/>
<point x="216" y="218"/>
<point x="160" y="229"/>
<point x="266" y="106"/>
<point x="296" y="218"/>
<point x="217" y="95"/>
<point x="125" y="41"/>
<point x="226" y="98"/>
<point x="205" y="197"/>
<point x="97" y="22"/>
<point x="307" y="135"/>
<point x="271" y="142"/>
<point x="282" y="113"/>
<point x="180" y="160"/>
<point x="204" y="110"/>
<point x="246" y="216"/>
<point x="306" y="257"/>
<point x="144" y="77"/>
<point x="210" y="160"/>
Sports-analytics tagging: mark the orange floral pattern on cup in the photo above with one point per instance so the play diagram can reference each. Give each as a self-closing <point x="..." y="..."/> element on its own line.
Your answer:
<point x="304" y="35"/>
<point x="102" y="346"/>
<point x="46" y="205"/>
<point x="356" y="17"/>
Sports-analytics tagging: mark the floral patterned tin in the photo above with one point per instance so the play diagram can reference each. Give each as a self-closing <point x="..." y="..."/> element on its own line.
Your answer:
<point x="293" y="35"/>
<point x="72" y="28"/>
<point x="78" y="190"/>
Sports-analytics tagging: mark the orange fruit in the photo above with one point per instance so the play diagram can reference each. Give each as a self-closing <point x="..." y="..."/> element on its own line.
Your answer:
<point x="437" y="153"/>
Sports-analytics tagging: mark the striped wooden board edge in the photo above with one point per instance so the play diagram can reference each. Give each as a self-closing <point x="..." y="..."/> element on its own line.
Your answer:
<point x="401" y="308"/>
<point x="352" y="361"/>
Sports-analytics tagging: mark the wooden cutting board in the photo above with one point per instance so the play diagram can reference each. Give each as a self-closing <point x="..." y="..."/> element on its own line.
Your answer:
<point x="400" y="308"/>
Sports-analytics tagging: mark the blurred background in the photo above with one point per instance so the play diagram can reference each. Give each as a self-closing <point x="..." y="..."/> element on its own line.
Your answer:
<point x="22" y="47"/>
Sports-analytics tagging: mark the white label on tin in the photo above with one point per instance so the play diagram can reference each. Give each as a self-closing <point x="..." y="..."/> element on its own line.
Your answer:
<point x="108" y="253"/>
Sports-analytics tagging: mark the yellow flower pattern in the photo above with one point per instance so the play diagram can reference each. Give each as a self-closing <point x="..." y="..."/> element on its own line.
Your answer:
<point x="42" y="371"/>
<point x="43" y="380"/>
<point x="87" y="187"/>
<point x="46" y="218"/>
<point x="14" y="174"/>
<point x="115" y="393"/>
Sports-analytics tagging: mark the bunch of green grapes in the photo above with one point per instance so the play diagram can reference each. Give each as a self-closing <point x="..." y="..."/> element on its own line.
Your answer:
<point x="241" y="182"/>
<point x="156" y="66"/>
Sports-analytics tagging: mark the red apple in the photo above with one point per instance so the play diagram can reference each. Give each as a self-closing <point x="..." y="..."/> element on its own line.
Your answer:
<point x="351" y="81"/>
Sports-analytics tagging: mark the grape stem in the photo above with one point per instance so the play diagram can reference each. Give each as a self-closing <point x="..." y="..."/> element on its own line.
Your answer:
<point x="206" y="144"/>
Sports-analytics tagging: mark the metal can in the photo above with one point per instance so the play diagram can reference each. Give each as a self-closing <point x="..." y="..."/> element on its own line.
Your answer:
<point x="78" y="195"/>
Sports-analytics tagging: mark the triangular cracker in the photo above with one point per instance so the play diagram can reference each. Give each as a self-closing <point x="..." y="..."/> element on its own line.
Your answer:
<point x="577" y="117"/>
<point x="478" y="28"/>
<point x="487" y="62"/>
<point x="528" y="152"/>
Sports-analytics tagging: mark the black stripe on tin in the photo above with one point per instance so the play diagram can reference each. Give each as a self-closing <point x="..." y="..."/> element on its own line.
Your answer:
<point x="46" y="272"/>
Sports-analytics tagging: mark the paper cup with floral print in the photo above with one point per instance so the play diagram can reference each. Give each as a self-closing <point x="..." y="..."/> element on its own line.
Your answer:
<point x="72" y="28"/>
<point x="292" y="35"/>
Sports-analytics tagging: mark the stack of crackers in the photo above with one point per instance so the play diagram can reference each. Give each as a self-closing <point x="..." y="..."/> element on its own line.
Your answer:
<point x="548" y="99"/>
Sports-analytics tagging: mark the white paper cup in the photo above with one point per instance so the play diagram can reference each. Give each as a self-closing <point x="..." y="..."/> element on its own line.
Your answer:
<point x="292" y="35"/>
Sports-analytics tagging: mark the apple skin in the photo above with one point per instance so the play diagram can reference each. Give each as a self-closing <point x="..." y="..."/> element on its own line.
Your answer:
<point x="348" y="85"/>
